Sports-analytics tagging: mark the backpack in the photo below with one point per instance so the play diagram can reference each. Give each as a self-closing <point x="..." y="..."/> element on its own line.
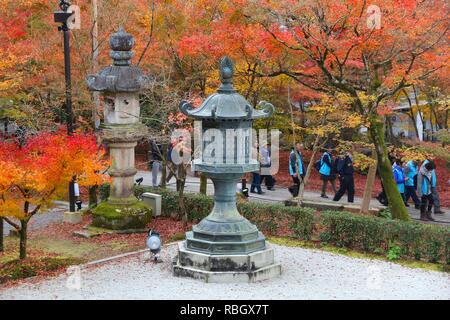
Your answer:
<point x="318" y="164"/>
<point x="339" y="165"/>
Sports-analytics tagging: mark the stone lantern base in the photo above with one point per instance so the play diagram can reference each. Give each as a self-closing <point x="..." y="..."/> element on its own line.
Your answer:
<point x="229" y="268"/>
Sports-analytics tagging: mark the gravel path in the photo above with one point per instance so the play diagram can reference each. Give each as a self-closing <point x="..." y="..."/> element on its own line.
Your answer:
<point x="307" y="274"/>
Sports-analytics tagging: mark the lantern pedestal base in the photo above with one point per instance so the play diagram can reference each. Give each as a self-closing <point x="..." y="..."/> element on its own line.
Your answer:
<point x="233" y="268"/>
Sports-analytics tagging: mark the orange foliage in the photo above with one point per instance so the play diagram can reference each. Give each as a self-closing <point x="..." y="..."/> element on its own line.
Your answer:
<point x="33" y="175"/>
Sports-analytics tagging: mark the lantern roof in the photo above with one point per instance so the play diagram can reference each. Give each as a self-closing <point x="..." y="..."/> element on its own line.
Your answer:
<point x="226" y="103"/>
<point x="121" y="76"/>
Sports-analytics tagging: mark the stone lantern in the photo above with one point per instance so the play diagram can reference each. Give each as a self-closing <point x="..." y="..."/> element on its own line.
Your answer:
<point x="225" y="246"/>
<point x="120" y="85"/>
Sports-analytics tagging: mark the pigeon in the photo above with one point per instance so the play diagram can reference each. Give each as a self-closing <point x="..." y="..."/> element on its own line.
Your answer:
<point x="154" y="243"/>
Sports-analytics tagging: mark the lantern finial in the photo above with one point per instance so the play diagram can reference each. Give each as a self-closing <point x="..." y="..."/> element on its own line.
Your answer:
<point x="226" y="75"/>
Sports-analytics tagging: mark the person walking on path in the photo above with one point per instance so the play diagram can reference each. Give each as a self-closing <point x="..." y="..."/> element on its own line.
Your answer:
<point x="326" y="174"/>
<point x="266" y="163"/>
<point x="170" y="165"/>
<point x="256" y="175"/>
<point x="347" y="182"/>
<point x="399" y="177"/>
<point x="296" y="168"/>
<point x="434" y="192"/>
<point x="156" y="161"/>
<point x="411" y="169"/>
<point x="424" y="191"/>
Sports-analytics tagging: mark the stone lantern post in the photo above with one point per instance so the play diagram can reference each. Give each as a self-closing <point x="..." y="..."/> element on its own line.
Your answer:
<point x="120" y="85"/>
<point x="225" y="246"/>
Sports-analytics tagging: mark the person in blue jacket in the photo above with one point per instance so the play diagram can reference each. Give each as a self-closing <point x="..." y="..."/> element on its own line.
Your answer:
<point x="424" y="190"/>
<point x="326" y="174"/>
<point x="296" y="168"/>
<point x="436" y="200"/>
<point x="411" y="169"/>
<point x="399" y="177"/>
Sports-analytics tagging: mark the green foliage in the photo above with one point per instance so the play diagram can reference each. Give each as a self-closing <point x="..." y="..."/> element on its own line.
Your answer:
<point x="103" y="191"/>
<point x="385" y="213"/>
<point x="394" y="252"/>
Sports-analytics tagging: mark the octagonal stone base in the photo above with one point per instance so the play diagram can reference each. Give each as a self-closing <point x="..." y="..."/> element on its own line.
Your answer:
<point x="233" y="268"/>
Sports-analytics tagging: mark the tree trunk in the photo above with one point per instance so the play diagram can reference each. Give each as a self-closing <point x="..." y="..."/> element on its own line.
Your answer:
<point x="395" y="200"/>
<point x="95" y="53"/>
<point x="93" y="196"/>
<point x="303" y="183"/>
<point x="306" y="178"/>
<point x="369" y="185"/>
<point x="411" y="113"/>
<point x="446" y="119"/>
<point x="1" y="235"/>
<point x="164" y="166"/>
<point x="390" y="133"/>
<point x="23" y="239"/>
<point x="203" y="183"/>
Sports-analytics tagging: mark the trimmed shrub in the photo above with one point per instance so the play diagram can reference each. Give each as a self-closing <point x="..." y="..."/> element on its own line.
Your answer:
<point x="414" y="239"/>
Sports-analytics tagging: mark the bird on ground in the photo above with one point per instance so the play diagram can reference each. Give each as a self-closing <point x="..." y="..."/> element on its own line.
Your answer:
<point x="154" y="243"/>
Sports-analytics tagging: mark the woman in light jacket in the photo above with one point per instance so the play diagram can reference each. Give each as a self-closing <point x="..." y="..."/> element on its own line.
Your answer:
<point x="424" y="190"/>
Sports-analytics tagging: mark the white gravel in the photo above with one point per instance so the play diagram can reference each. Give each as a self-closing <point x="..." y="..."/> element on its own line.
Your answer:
<point x="307" y="274"/>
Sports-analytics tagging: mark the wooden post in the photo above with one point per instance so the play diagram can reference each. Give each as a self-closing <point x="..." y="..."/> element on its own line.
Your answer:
<point x="369" y="185"/>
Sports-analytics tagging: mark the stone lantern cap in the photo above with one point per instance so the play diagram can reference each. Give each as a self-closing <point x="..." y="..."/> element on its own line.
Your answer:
<point x="121" y="76"/>
<point x="227" y="104"/>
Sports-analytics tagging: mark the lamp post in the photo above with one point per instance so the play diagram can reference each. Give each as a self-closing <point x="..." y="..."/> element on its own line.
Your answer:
<point x="225" y="246"/>
<point x="62" y="17"/>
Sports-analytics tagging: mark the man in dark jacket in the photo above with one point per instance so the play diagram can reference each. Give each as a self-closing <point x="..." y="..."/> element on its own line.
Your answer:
<point x="156" y="161"/>
<point x="347" y="183"/>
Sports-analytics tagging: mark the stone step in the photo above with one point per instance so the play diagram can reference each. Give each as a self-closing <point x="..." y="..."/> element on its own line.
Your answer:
<point x="226" y="237"/>
<point x="238" y="262"/>
<point x="225" y="247"/>
<point x="262" y="274"/>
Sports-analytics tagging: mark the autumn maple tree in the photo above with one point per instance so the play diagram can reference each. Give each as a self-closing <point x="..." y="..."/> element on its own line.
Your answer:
<point x="334" y="50"/>
<point x="36" y="173"/>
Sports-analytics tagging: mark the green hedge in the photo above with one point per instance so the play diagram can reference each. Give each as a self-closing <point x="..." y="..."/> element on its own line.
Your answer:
<point x="343" y="229"/>
<point x="370" y="234"/>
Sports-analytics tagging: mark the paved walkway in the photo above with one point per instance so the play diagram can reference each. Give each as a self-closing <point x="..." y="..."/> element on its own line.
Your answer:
<point x="306" y="274"/>
<point x="281" y="194"/>
<point x="42" y="220"/>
